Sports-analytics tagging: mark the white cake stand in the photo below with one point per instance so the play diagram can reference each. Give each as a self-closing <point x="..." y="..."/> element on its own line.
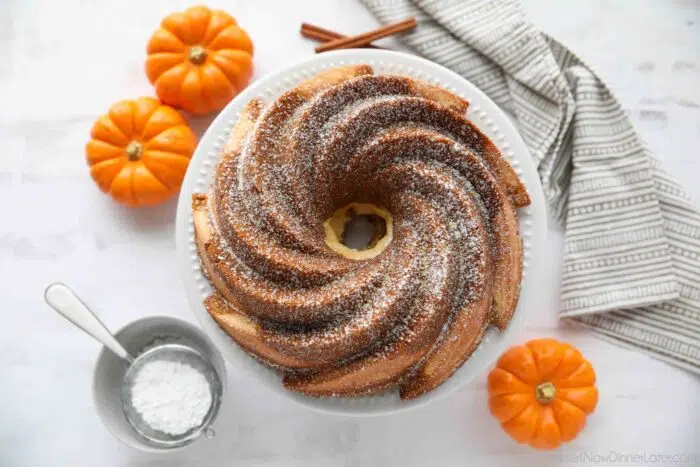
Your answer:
<point x="482" y="111"/>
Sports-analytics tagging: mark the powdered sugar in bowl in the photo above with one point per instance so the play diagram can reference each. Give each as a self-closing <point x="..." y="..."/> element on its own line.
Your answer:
<point x="170" y="396"/>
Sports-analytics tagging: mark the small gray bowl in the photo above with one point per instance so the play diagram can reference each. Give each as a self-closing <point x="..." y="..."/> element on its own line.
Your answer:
<point x="136" y="338"/>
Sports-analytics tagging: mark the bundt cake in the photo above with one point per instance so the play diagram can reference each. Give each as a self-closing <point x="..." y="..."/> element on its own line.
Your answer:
<point x="443" y="262"/>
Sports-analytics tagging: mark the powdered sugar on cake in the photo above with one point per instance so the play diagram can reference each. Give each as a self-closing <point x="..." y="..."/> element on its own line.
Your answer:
<point x="407" y="317"/>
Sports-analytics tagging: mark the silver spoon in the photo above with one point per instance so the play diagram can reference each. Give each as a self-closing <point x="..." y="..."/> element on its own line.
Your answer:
<point x="62" y="299"/>
<point x="66" y="302"/>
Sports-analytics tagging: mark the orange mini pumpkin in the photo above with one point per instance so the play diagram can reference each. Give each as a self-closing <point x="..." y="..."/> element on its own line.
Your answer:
<point x="541" y="392"/>
<point x="139" y="151"/>
<point x="199" y="60"/>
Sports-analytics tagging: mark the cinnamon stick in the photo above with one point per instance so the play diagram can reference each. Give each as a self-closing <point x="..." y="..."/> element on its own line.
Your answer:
<point x="318" y="33"/>
<point x="367" y="37"/>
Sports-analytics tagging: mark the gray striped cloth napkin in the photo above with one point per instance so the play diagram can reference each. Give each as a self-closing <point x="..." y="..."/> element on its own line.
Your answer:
<point x="632" y="236"/>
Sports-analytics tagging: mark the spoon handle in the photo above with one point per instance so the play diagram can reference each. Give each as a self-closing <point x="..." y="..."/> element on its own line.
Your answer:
<point x="66" y="302"/>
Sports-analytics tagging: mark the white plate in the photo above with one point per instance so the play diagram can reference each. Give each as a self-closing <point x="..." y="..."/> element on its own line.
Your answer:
<point x="482" y="111"/>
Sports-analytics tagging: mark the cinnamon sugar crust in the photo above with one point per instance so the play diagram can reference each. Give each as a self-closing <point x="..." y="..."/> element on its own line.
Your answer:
<point x="350" y="325"/>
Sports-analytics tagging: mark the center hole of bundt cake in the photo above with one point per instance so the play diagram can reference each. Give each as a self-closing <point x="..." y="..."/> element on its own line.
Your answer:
<point x="363" y="231"/>
<point x="359" y="230"/>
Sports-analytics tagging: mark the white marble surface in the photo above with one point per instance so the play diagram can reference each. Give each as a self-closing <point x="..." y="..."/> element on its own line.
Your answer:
<point x="62" y="66"/>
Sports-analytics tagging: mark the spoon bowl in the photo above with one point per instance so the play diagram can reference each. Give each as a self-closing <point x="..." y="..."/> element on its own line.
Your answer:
<point x="181" y="344"/>
<point x="110" y="371"/>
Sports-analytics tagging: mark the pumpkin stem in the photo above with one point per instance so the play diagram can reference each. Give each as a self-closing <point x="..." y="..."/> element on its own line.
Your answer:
<point x="545" y="392"/>
<point x="133" y="151"/>
<point x="197" y="54"/>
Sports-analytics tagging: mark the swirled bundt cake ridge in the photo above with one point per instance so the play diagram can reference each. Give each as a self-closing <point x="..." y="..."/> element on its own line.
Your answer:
<point x="333" y="320"/>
